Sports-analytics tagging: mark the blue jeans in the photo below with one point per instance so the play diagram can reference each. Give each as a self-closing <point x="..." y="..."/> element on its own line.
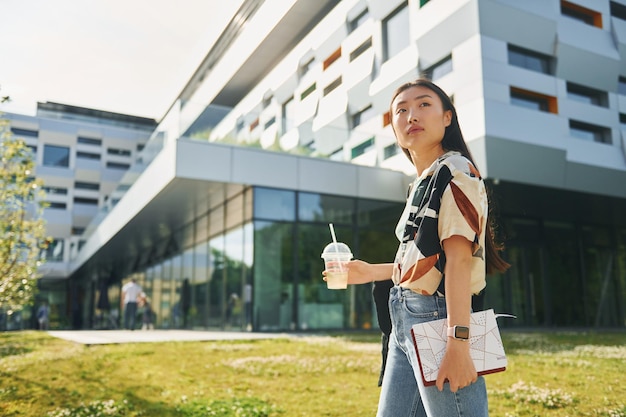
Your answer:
<point x="403" y="393"/>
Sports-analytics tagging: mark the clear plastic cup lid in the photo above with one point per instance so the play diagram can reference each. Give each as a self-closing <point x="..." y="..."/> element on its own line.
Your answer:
<point x="337" y="249"/>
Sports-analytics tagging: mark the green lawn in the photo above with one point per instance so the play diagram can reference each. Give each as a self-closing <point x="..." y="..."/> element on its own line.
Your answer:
<point x="549" y="374"/>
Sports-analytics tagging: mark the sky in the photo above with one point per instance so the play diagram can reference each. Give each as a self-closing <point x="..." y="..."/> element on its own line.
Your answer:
<point x="123" y="56"/>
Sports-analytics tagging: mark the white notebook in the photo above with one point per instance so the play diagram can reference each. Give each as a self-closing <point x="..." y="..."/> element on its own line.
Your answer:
<point x="486" y="347"/>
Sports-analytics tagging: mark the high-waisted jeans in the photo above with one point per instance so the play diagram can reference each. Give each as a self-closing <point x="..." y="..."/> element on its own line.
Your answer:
<point x="403" y="393"/>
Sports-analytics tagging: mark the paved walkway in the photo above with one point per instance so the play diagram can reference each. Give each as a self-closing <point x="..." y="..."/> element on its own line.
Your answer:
<point x="101" y="337"/>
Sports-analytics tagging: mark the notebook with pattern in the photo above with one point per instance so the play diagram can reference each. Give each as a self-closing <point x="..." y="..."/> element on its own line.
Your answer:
<point x="486" y="347"/>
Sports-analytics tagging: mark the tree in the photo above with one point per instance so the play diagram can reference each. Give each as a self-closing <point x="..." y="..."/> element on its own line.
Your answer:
<point x="23" y="232"/>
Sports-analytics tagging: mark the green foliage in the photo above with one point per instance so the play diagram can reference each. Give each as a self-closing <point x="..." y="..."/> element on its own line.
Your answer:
<point x="21" y="222"/>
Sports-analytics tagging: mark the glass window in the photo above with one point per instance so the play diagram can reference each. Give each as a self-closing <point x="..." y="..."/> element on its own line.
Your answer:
<point x="363" y="148"/>
<point x="529" y="101"/>
<point x="325" y="208"/>
<point x="117" y="165"/>
<point x="622" y="121"/>
<point x="88" y="201"/>
<point x="440" y="69"/>
<point x="330" y="87"/>
<point x="55" y="190"/>
<point x="24" y="132"/>
<point x="54" y="251"/>
<point x="582" y="14"/>
<point x="621" y="86"/>
<point x="56" y="205"/>
<point x="396" y="32"/>
<point x="360" y="49"/>
<point x="531" y="60"/>
<point x="288" y="119"/>
<point x="308" y="91"/>
<point x="88" y="155"/>
<point x="87" y="185"/>
<point x="587" y="95"/>
<point x="274" y="204"/>
<point x="359" y="20"/>
<point x="56" y="156"/>
<point x="274" y="289"/>
<point x="119" y="152"/>
<point x="589" y="132"/>
<point x="390" y="150"/>
<point x="363" y="116"/>
<point x="618" y="10"/>
<point x="89" y="141"/>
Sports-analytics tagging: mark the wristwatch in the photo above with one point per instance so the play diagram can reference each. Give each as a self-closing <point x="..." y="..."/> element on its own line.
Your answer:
<point x="459" y="332"/>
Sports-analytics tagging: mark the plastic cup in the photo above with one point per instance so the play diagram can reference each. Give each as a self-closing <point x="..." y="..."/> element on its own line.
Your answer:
<point x="336" y="257"/>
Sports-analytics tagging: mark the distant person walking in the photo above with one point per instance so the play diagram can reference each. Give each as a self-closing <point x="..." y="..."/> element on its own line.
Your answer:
<point x="130" y="295"/>
<point x="148" y="313"/>
<point x="43" y="316"/>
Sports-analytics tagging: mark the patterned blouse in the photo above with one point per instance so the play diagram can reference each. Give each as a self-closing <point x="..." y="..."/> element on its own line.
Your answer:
<point x="449" y="199"/>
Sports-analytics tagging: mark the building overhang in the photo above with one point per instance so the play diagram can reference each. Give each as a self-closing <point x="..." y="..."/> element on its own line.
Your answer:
<point x="190" y="177"/>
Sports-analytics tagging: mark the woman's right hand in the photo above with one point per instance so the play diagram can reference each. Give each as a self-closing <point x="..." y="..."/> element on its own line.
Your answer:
<point x="361" y="272"/>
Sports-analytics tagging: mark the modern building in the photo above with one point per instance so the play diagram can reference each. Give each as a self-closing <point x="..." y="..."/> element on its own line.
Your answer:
<point x="284" y="128"/>
<point x="83" y="157"/>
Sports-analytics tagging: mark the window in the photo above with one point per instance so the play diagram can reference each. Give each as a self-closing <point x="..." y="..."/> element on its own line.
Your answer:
<point x="308" y="91"/>
<point x="89" y="141"/>
<point x="358" y="21"/>
<point x="240" y="124"/>
<point x="386" y="119"/>
<point x="55" y="190"/>
<point x="618" y="10"/>
<point x="86" y="185"/>
<point x="88" y="155"/>
<point x="140" y="147"/>
<point x="621" y="86"/>
<point x="269" y="122"/>
<point x="533" y="101"/>
<point x="56" y="156"/>
<point x="622" y="121"/>
<point x="531" y="60"/>
<point x="396" y="32"/>
<point x="587" y="95"/>
<point x="118" y="152"/>
<point x="390" y="150"/>
<point x="363" y="116"/>
<point x="360" y="49"/>
<point x="590" y="132"/>
<point x="55" y="205"/>
<point x="439" y="69"/>
<point x="254" y="124"/>
<point x="423" y="2"/>
<point x="88" y="201"/>
<point x="363" y="147"/>
<point x="54" y="251"/>
<point x="332" y="58"/>
<point x="77" y="231"/>
<point x="274" y="204"/>
<point x="288" y="113"/>
<point x="582" y="14"/>
<point x="24" y="132"/>
<point x="117" y="165"/>
<point x="330" y="87"/>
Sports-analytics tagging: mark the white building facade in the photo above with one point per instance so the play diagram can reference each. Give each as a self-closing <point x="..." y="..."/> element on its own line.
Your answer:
<point x="82" y="156"/>
<point x="224" y="235"/>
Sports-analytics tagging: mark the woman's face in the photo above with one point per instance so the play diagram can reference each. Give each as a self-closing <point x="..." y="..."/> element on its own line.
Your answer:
<point x="419" y="120"/>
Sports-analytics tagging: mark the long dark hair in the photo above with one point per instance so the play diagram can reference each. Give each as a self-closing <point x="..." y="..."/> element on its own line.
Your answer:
<point x="453" y="141"/>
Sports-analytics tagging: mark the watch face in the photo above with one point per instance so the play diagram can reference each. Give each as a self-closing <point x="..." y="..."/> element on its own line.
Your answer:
<point x="461" y="332"/>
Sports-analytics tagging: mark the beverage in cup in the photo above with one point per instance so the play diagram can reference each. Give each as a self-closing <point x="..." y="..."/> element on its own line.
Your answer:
<point x="336" y="256"/>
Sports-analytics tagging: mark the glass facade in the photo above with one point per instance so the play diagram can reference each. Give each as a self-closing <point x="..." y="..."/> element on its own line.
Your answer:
<point x="253" y="263"/>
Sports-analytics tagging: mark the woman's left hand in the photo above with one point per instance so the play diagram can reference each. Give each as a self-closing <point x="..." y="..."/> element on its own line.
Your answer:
<point x="457" y="367"/>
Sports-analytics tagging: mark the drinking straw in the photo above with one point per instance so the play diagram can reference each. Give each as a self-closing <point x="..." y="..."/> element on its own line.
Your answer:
<point x="332" y="233"/>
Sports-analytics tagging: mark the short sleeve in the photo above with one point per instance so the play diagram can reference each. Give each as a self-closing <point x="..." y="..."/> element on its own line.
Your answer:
<point x="463" y="209"/>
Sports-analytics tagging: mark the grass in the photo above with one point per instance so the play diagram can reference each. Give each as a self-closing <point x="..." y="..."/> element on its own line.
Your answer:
<point x="549" y="374"/>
